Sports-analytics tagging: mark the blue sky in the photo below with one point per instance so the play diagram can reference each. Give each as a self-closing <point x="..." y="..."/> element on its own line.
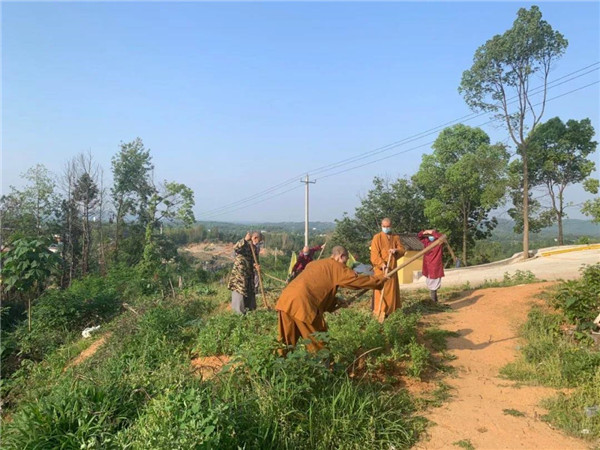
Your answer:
<point x="237" y="98"/>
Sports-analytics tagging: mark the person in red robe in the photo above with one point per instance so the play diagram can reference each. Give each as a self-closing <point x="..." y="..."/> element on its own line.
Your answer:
<point x="433" y="266"/>
<point x="305" y="256"/>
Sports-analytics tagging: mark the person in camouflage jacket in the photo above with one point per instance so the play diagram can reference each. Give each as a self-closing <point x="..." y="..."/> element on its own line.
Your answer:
<point x="242" y="279"/>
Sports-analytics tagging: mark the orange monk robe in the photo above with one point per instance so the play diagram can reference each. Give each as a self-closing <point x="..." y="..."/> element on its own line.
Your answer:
<point x="380" y="246"/>
<point x="304" y="301"/>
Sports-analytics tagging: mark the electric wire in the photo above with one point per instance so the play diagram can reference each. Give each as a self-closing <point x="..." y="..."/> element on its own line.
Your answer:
<point x="327" y="168"/>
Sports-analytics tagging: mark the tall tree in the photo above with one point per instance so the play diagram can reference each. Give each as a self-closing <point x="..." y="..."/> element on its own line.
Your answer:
<point x="31" y="211"/>
<point x="132" y="187"/>
<point x="463" y="180"/>
<point x="558" y="158"/>
<point x="40" y="194"/>
<point x="86" y="195"/>
<point x="173" y="202"/>
<point x="538" y="216"/>
<point x="502" y="71"/>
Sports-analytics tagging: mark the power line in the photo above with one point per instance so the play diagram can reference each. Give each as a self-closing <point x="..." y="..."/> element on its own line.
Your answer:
<point x="324" y="169"/>
<point x="410" y="149"/>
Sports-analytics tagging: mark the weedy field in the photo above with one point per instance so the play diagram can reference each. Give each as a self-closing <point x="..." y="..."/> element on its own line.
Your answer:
<point x="140" y="388"/>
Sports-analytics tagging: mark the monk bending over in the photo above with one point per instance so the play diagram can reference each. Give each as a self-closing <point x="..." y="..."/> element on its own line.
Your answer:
<point x="304" y="301"/>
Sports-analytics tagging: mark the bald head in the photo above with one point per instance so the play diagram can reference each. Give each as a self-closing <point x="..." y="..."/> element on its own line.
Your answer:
<point x="386" y="222"/>
<point x="339" y="254"/>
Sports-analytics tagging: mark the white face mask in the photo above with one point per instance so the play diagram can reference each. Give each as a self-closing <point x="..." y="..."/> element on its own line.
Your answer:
<point x="386" y="230"/>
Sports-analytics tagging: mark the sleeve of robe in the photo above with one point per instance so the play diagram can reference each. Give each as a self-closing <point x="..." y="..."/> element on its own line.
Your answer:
<point x="376" y="258"/>
<point x="239" y="245"/>
<point x="314" y="250"/>
<point x="397" y="244"/>
<point x="313" y="291"/>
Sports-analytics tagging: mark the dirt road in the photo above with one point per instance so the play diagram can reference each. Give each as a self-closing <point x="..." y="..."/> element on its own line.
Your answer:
<point x="487" y="321"/>
<point x="549" y="264"/>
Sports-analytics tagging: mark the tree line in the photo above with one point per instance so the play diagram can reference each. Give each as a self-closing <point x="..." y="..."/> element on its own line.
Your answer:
<point x="466" y="177"/>
<point x="90" y="225"/>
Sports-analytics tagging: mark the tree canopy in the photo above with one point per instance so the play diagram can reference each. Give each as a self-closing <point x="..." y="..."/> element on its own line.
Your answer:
<point x="500" y="82"/>
<point x="462" y="181"/>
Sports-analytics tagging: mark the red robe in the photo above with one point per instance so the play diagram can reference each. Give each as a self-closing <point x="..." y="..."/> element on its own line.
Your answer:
<point x="433" y="265"/>
<point x="304" y="260"/>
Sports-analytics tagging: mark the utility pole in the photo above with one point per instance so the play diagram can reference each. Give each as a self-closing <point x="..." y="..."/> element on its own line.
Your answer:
<point x="306" y="182"/>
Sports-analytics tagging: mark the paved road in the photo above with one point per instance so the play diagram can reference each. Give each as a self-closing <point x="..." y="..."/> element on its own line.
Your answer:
<point x="548" y="264"/>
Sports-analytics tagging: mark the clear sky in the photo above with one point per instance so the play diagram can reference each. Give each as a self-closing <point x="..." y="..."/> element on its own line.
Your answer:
<point x="234" y="99"/>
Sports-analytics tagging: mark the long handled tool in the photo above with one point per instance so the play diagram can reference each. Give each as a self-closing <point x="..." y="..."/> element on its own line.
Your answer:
<point x="262" y="289"/>
<point x="454" y="258"/>
<point x="427" y="249"/>
<point x="274" y="278"/>
<point x="385" y="271"/>
<point x="322" y="248"/>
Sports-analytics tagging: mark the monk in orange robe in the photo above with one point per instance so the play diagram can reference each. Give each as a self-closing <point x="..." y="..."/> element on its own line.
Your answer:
<point x="386" y="248"/>
<point x="303" y="303"/>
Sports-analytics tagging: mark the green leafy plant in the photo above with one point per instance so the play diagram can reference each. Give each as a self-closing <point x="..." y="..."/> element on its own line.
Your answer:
<point x="419" y="359"/>
<point x="580" y="299"/>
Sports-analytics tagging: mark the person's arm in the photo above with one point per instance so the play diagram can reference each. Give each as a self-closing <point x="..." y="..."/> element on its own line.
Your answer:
<point x="348" y="278"/>
<point x="436" y="234"/>
<point x="400" y="250"/>
<point x="313" y="250"/>
<point x="239" y="245"/>
<point x="423" y="237"/>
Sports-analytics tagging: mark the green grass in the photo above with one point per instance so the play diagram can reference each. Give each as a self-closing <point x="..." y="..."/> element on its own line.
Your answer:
<point x="519" y="277"/>
<point x="138" y="391"/>
<point x="464" y="443"/>
<point x="555" y="354"/>
<point x="513" y="412"/>
<point x="438" y="338"/>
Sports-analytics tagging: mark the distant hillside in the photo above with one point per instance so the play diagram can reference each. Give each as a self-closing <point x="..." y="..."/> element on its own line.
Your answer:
<point x="572" y="228"/>
<point x="290" y="227"/>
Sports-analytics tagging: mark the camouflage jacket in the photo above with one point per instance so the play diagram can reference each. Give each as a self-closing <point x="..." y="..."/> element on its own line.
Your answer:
<point x="241" y="279"/>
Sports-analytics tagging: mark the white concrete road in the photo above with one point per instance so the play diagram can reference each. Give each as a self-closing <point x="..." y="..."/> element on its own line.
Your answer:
<point x="556" y="263"/>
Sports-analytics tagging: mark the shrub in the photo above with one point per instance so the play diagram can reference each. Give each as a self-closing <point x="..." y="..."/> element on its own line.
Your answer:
<point x="580" y="299"/>
<point x="419" y="359"/>
<point x="351" y="332"/>
<point x="60" y="315"/>
<point x="400" y="329"/>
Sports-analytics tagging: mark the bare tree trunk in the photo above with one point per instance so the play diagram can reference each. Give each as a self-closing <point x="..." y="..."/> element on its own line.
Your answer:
<point x="559" y="218"/>
<point x="525" y="203"/>
<point x="464" y="238"/>
<point x="102" y="259"/>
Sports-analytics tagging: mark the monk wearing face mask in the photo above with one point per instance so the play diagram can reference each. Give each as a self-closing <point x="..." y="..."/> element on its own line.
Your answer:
<point x="304" y="257"/>
<point x="386" y="249"/>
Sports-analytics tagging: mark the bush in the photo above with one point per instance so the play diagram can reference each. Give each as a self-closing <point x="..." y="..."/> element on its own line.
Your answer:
<point x="400" y="329"/>
<point x="580" y="299"/>
<point x="419" y="359"/>
<point x="351" y="332"/>
<point x="188" y="418"/>
<point x="59" y="316"/>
